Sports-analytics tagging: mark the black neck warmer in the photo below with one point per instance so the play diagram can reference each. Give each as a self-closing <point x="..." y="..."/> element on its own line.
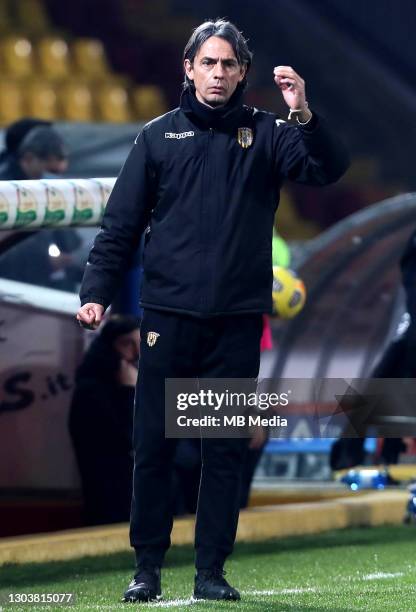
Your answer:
<point x="222" y="116"/>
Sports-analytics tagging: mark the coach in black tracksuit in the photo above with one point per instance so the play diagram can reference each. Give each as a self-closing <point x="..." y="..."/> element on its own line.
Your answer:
<point x="204" y="179"/>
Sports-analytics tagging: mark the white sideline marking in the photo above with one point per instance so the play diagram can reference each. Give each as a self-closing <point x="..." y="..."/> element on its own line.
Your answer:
<point x="281" y="591"/>
<point x="173" y="602"/>
<point x="380" y="575"/>
<point x="298" y="590"/>
<point x="170" y="603"/>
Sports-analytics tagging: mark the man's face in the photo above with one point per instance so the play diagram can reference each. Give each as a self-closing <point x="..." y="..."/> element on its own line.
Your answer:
<point x="215" y="72"/>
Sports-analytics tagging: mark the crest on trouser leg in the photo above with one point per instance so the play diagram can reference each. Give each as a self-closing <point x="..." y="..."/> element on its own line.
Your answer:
<point x="151" y="338"/>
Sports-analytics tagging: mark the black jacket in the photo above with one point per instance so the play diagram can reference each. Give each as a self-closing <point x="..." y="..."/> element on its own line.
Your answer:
<point x="209" y="204"/>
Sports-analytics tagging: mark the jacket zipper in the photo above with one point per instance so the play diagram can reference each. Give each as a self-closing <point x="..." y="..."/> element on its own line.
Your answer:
<point x="205" y="227"/>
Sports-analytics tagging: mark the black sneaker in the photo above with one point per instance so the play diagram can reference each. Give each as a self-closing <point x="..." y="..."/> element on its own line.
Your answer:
<point x="211" y="584"/>
<point x="145" y="585"/>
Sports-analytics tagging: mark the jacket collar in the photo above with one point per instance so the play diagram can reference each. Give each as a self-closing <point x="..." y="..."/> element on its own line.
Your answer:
<point x="222" y="117"/>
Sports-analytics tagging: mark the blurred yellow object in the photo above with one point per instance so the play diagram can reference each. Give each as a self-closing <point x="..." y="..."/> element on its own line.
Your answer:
<point x="148" y="102"/>
<point x="11" y="101"/>
<point x="31" y="16"/>
<point x="53" y="54"/>
<point x="17" y="56"/>
<point x="41" y="100"/>
<point x="112" y="103"/>
<point x="89" y="58"/>
<point x="75" y="101"/>
<point x="288" y="293"/>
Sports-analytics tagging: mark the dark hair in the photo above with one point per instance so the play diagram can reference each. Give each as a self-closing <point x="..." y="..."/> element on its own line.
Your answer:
<point x="102" y="361"/>
<point x="16" y="132"/>
<point x="44" y="142"/>
<point x="223" y="29"/>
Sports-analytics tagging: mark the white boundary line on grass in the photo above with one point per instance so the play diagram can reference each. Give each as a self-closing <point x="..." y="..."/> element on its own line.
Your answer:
<point x="381" y="575"/>
<point x="295" y="591"/>
<point x="170" y="603"/>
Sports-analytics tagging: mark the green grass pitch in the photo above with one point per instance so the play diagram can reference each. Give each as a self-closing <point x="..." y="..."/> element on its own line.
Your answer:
<point x="352" y="569"/>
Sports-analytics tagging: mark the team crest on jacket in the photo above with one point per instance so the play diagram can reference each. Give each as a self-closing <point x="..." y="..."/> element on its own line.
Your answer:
<point x="151" y="338"/>
<point x="245" y="137"/>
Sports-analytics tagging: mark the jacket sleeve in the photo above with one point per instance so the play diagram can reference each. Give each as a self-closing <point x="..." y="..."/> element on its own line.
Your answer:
<point x="311" y="155"/>
<point x="125" y="217"/>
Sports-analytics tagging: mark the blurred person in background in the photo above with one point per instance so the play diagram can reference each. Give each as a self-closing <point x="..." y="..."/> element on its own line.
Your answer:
<point x="35" y="150"/>
<point x="13" y="137"/>
<point x="101" y="420"/>
<point x="206" y="179"/>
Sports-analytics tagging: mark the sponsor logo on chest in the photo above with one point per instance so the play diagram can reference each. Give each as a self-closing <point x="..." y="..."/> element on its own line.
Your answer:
<point x="179" y="135"/>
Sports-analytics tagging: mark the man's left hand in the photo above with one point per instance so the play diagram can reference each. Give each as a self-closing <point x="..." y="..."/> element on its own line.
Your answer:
<point x="292" y="87"/>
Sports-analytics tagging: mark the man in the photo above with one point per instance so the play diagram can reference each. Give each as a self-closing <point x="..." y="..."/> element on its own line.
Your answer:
<point x="205" y="179"/>
<point x="38" y="152"/>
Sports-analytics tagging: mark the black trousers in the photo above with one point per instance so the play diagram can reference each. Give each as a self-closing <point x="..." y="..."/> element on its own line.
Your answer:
<point x="188" y="347"/>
